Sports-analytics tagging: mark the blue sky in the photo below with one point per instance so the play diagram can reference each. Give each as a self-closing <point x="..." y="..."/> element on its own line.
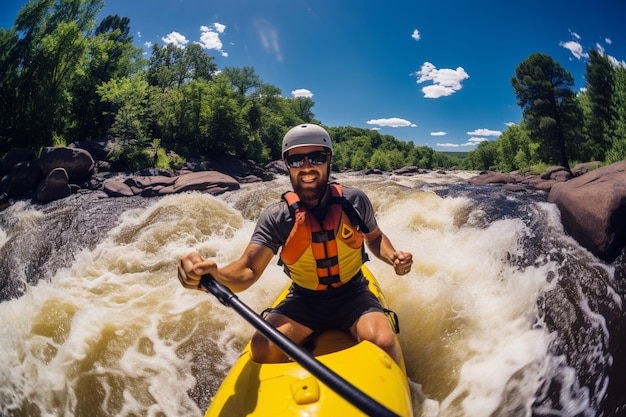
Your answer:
<point x="435" y="73"/>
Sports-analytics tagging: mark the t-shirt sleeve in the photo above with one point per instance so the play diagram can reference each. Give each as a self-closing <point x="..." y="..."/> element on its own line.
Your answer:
<point x="363" y="205"/>
<point x="273" y="227"/>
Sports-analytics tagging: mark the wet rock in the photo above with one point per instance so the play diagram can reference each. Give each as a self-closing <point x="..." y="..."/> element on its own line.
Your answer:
<point x="408" y="170"/>
<point x="494" y="178"/>
<point x="115" y="188"/>
<point x="55" y="187"/>
<point x="583" y="168"/>
<point x="277" y="167"/>
<point x="78" y="163"/>
<point x="212" y="182"/>
<point x="22" y="178"/>
<point x="593" y="209"/>
<point x="16" y="156"/>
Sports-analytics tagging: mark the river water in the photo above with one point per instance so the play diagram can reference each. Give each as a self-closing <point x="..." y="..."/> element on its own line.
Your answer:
<point x="502" y="315"/>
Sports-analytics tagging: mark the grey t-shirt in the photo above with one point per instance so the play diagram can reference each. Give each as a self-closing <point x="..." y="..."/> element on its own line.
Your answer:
<point x="276" y="222"/>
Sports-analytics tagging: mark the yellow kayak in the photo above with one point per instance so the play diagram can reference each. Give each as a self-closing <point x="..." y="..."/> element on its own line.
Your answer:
<point x="287" y="389"/>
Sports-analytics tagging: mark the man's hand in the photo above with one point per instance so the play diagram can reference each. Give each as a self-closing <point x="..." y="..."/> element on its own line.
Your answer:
<point x="191" y="268"/>
<point x="402" y="262"/>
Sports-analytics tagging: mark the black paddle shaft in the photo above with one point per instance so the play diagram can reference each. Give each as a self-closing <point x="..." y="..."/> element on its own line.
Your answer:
<point x="326" y="375"/>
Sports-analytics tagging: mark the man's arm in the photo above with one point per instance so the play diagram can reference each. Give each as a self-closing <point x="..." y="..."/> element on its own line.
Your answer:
<point x="380" y="245"/>
<point x="238" y="275"/>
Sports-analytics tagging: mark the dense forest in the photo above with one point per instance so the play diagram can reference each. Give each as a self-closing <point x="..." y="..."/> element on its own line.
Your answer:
<point x="68" y="77"/>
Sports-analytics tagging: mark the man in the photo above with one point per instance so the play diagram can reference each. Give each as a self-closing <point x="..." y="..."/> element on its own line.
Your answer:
<point x="321" y="228"/>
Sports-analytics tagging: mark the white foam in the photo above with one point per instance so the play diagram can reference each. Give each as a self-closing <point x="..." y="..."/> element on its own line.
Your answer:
<point x="117" y="324"/>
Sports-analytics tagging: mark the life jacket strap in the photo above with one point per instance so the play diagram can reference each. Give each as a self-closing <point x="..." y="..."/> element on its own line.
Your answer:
<point x="327" y="263"/>
<point x="332" y="281"/>
<point x="323" y="236"/>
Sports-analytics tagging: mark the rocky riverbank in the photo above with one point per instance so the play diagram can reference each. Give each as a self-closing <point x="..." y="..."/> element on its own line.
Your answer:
<point x="592" y="201"/>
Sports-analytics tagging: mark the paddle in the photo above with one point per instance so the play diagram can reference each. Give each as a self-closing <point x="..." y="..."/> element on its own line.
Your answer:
<point x="342" y="387"/>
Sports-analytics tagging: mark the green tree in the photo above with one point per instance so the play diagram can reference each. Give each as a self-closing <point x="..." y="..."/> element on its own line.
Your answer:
<point x="515" y="151"/>
<point x="222" y="127"/>
<point x="129" y="98"/>
<point x="484" y="157"/>
<point x="173" y="66"/>
<point x="111" y="55"/>
<point x="617" y="151"/>
<point x="193" y="108"/>
<point x="9" y="68"/>
<point x="302" y="108"/>
<point x="52" y="46"/>
<point x="266" y="119"/>
<point x="243" y="79"/>
<point x="543" y="91"/>
<point x="600" y="90"/>
<point x="163" y="113"/>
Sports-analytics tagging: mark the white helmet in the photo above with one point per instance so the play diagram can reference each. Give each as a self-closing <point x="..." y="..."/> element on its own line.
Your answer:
<point x="306" y="135"/>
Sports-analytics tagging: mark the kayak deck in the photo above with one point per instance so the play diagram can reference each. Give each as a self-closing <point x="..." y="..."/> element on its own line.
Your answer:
<point x="286" y="389"/>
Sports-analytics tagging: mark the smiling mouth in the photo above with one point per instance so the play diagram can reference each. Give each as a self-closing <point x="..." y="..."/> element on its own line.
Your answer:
<point x="308" y="179"/>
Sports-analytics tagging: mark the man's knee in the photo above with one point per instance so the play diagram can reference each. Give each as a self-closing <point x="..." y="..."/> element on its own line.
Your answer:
<point x="386" y="340"/>
<point x="264" y="351"/>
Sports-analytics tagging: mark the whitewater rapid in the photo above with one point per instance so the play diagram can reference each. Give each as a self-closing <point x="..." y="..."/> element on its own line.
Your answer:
<point x="107" y="330"/>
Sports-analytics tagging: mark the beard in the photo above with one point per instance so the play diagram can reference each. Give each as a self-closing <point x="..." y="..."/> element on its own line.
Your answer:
<point x="311" y="196"/>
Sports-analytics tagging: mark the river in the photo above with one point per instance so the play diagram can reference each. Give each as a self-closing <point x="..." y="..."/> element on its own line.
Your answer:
<point x="503" y="314"/>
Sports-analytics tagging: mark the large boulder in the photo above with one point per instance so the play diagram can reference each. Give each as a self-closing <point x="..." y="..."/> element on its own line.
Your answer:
<point x="100" y="150"/>
<point x="115" y="188"/>
<point x="77" y="162"/>
<point x="494" y="178"/>
<point x="593" y="209"/>
<point x="212" y="182"/>
<point x="22" y="179"/>
<point x="16" y="156"/>
<point x="55" y="186"/>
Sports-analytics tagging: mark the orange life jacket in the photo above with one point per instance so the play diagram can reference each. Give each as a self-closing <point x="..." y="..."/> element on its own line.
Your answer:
<point x="320" y="256"/>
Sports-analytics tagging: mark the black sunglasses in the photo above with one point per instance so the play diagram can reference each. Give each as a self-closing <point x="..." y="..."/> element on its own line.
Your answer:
<point x="315" y="158"/>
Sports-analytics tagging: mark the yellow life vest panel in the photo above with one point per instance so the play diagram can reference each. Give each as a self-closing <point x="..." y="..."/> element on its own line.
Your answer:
<point x="319" y="256"/>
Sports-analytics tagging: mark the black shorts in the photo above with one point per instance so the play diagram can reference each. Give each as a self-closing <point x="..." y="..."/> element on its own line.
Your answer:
<point x="336" y="308"/>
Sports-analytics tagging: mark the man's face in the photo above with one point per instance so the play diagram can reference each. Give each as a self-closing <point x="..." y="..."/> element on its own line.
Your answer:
<point x="310" y="180"/>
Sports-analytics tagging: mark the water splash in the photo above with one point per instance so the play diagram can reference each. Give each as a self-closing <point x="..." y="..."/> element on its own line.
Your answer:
<point x="484" y="314"/>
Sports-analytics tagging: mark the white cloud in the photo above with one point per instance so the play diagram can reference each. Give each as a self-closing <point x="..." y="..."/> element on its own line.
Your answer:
<point x="509" y="124"/>
<point x="609" y="41"/>
<point x="575" y="35"/>
<point x="445" y="81"/>
<point x="391" y="122"/>
<point x="176" y="39"/>
<point x="575" y="48"/>
<point x="440" y="133"/>
<point x="210" y="37"/>
<point x="485" y="132"/>
<point x="600" y="48"/>
<point x="302" y="92"/>
<point x="148" y="44"/>
<point x="470" y="142"/>
<point x="269" y="38"/>
<point x="416" y="35"/>
<point x="616" y="62"/>
<point x="475" y="141"/>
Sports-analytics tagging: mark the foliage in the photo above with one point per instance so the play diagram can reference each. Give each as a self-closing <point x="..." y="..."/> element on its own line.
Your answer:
<point x="543" y="91"/>
<point x="560" y="126"/>
<point x="129" y="97"/>
<point x="617" y="150"/>
<point x="600" y="119"/>
<point x="67" y="77"/>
